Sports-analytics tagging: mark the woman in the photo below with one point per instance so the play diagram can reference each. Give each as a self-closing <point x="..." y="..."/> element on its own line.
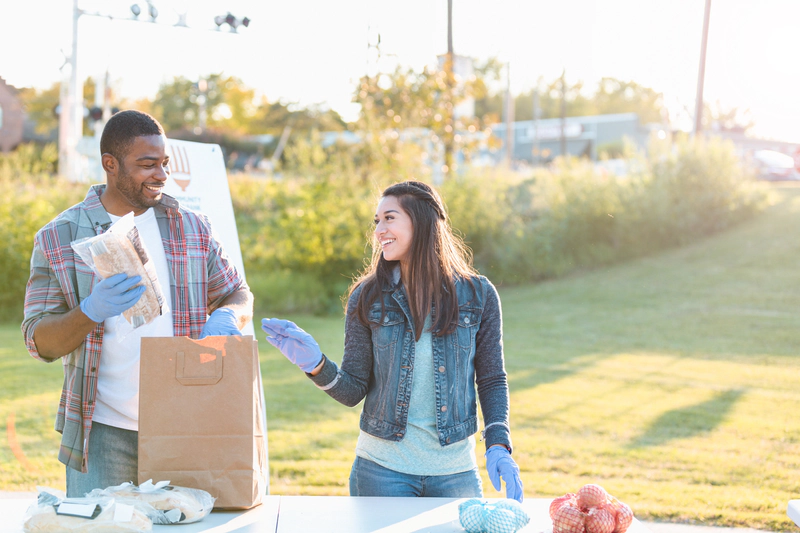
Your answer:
<point x="422" y="328"/>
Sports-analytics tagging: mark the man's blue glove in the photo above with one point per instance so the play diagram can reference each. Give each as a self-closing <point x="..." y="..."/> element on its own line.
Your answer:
<point x="221" y="322"/>
<point x="295" y="344"/>
<point x="112" y="296"/>
<point x="500" y="464"/>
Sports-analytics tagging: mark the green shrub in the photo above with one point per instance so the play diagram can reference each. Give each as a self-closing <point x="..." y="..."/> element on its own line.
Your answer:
<point x="32" y="198"/>
<point x="304" y="236"/>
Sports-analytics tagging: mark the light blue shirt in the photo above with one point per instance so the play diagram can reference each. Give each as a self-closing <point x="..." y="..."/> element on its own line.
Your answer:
<point x="419" y="453"/>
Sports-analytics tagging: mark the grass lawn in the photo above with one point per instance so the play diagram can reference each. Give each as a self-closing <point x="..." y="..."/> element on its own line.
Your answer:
<point x="673" y="381"/>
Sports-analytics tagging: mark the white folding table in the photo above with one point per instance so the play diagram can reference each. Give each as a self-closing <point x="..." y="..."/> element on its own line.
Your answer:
<point x="328" y="514"/>
<point x="793" y="510"/>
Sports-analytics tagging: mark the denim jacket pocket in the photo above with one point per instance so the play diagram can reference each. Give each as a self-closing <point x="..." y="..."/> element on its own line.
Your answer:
<point x="468" y="322"/>
<point x="386" y="330"/>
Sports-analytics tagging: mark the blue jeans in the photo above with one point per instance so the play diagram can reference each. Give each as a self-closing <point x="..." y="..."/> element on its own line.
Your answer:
<point x="370" y="479"/>
<point x="113" y="459"/>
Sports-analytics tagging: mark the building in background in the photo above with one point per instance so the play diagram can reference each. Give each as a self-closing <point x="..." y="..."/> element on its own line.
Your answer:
<point x="12" y="117"/>
<point x="539" y="141"/>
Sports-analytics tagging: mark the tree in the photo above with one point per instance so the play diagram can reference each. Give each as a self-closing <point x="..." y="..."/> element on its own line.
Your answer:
<point x="616" y="96"/>
<point x="41" y="105"/>
<point x="611" y="96"/>
<point x="182" y="103"/>
<point x="419" y="104"/>
<point x="227" y="106"/>
<point x="718" y="117"/>
<point x="273" y="117"/>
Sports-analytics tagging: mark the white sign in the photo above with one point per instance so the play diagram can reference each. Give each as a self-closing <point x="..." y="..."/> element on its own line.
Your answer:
<point x="199" y="181"/>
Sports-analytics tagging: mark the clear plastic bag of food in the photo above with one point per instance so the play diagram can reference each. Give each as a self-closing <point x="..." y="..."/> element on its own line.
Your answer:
<point x="172" y="504"/>
<point x="55" y="513"/>
<point x="120" y="250"/>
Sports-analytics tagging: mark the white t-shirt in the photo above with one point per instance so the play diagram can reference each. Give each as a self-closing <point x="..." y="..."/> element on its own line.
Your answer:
<point x="117" y="402"/>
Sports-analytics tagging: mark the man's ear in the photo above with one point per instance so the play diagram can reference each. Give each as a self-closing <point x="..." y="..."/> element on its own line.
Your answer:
<point x="110" y="164"/>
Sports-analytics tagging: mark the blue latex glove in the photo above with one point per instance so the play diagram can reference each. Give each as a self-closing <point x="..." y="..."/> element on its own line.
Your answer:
<point x="499" y="464"/>
<point x="112" y="296"/>
<point x="295" y="344"/>
<point x="221" y="322"/>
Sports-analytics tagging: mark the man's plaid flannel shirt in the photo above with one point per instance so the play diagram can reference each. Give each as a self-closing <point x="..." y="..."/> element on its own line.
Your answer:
<point x="202" y="276"/>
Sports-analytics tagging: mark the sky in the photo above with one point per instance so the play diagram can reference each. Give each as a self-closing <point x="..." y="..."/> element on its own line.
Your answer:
<point x="314" y="51"/>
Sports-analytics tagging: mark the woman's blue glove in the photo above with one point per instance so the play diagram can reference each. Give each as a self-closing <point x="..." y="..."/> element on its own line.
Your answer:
<point x="295" y="344"/>
<point x="500" y="464"/>
<point x="112" y="296"/>
<point x="221" y="322"/>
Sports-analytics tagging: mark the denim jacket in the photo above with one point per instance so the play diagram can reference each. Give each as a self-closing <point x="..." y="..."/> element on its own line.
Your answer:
<point x="378" y="364"/>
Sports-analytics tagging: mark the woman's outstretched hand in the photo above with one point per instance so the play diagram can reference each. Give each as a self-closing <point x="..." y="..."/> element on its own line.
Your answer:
<point x="499" y="464"/>
<point x="294" y="343"/>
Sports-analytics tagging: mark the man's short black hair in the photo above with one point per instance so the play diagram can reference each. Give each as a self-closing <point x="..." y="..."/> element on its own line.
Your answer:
<point x="122" y="128"/>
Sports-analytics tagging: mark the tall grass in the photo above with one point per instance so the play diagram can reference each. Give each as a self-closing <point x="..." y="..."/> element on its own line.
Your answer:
<point x="310" y="233"/>
<point x="671" y="380"/>
<point x="304" y="237"/>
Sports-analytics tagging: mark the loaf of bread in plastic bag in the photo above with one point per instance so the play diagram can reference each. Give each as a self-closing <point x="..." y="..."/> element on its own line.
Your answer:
<point x="188" y="504"/>
<point x="44" y="519"/>
<point x="121" y="250"/>
<point x="114" y="254"/>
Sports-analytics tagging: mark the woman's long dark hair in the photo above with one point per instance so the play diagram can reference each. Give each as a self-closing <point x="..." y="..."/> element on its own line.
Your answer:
<point x="437" y="258"/>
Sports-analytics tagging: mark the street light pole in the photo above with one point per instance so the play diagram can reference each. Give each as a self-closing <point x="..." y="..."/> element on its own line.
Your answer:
<point x="698" y="105"/>
<point x="70" y="120"/>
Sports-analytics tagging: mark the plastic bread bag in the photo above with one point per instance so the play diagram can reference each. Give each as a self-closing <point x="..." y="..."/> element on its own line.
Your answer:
<point x="54" y="513"/>
<point x="172" y="504"/>
<point x="120" y="250"/>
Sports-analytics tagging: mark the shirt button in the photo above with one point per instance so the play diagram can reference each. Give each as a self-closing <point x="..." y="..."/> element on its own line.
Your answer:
<point x="466" y="320"/>
<point x="94" y="369"/>
<point x="441" y="369"/>
<point x="444" y="408"/>
<point x="447" y="440"/>
<point x="385" y="319"/>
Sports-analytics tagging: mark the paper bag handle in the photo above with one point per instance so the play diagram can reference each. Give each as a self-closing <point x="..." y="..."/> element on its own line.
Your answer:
<point x="184" y="379"/>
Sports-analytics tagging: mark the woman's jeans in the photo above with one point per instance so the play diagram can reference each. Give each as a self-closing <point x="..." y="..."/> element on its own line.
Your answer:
<point x="113" y="460"/>
<point x="370" y="479"/>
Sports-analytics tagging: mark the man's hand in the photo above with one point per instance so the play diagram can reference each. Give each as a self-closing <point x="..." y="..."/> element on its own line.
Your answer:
<point x="295" y="344"/>
<point x="223" y="321"/>
<point x="112" y="296"/>
<point x="499" y="464"/>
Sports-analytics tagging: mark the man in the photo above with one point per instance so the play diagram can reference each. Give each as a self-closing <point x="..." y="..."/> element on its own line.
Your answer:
<point x="73" y="315"/>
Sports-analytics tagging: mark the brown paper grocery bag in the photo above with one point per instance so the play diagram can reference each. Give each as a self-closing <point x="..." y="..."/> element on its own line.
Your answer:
<point x="201" y="417"/>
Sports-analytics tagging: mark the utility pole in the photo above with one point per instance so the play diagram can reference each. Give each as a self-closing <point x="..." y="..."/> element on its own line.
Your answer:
<point x="698" y="105"/>
<point x="509" y="118"/>
<point x="449" y="112"/>
<point x="536" y="115"/>
<point x="563" y="113"/>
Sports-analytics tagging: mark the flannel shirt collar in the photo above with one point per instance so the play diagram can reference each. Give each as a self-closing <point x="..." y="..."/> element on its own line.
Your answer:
<point x="99" y="216"/>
